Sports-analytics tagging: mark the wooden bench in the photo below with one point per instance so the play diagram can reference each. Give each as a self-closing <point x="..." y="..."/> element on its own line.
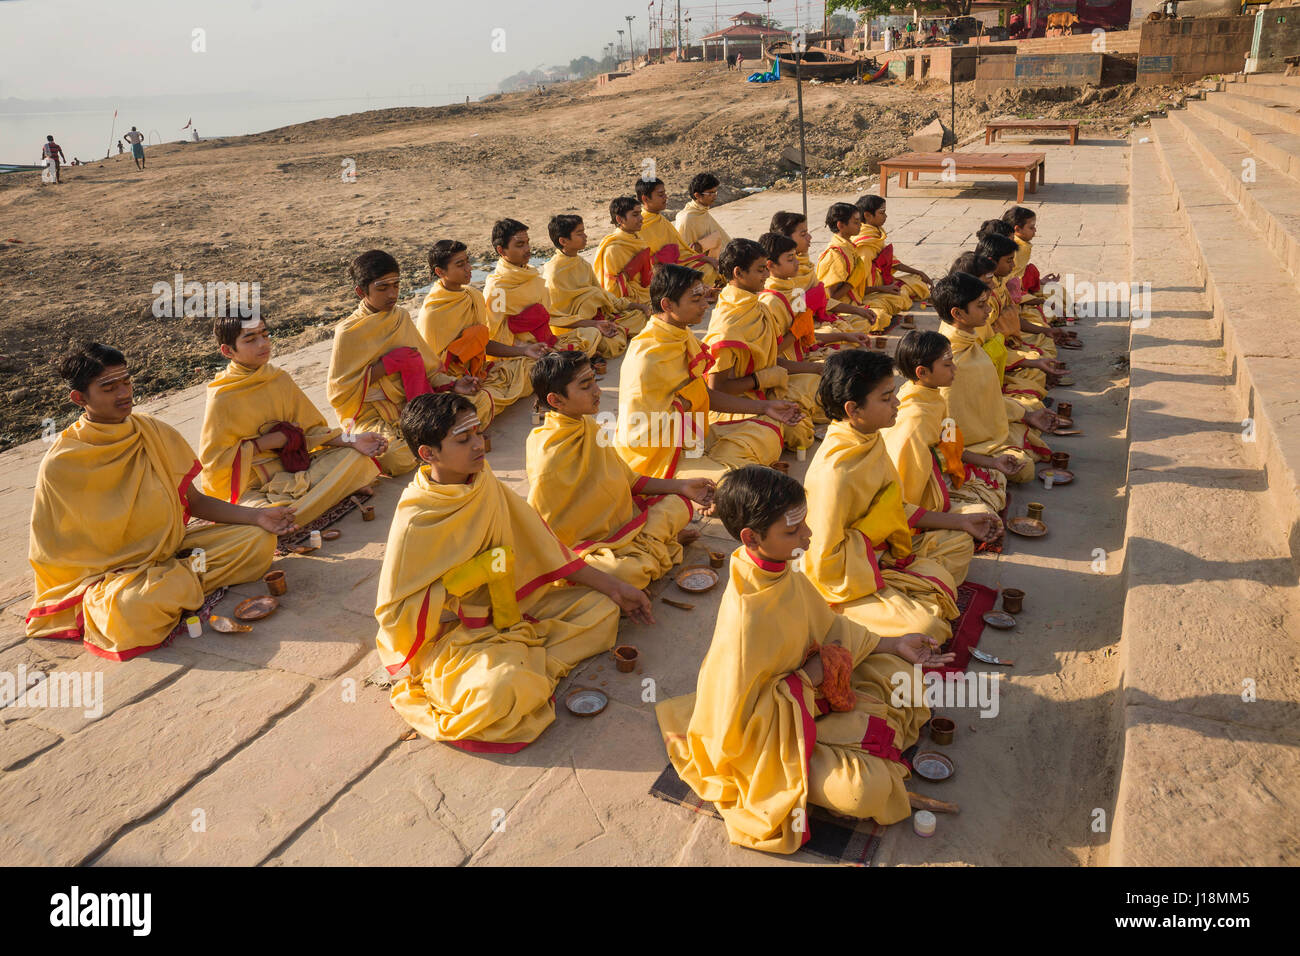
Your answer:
<point x="1016" y="165"/>
<point x="991" y="130"/>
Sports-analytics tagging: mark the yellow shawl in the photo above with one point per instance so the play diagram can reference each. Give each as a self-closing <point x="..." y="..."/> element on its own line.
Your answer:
<point x="107" y="497"/>
<point x="696" y="225"/>
<point x="576" y="292"/>
<point x="658" y="232"/>
<point x="515" y="288"/>
<point x="361" y="340"/>
<point x="446" y="316"/>
<point x="663" y="401"/>
<point x="869" y="241"/>
<point x="1024" y="249"/>
<point x="742" y="335"/>
<point x="242" y="405"/>
<point x="841" y="262"/>
<point x="975" y="399"/>
<point x="612" y="256"/>
<point x="807" y="273"/>
<point x="915" y="440"/>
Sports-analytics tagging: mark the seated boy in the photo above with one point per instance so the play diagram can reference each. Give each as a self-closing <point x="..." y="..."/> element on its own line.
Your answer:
<point x="625" y="524"/>
<point x="876" y="249"/>
<point x="865" y="557"/>
<point x="807" y="329"/>
<point x="1030" y="363"/>
<point x="794" y="225"/>
<point x="695" y="223"/>
<point x="623" y="262"/>
<point x="665" y="242"/>
<point x="379" y="362"/>
<point x="926" y="445"/>
<point x="519" y="306"/>
<point x="744" y="341"/>
<point x="664" y="398"/>
<point x="575" y="290"/>
<point x="264" y="443"/>
<point x="453" y="320"/>
<point x="992" y="424"/>
<point x="1026" y="284"/>
<point x="843" y="272"/>
<point x="468" y="598"/>
<point x="794" y="703"/>
<point x="115" y="565"/>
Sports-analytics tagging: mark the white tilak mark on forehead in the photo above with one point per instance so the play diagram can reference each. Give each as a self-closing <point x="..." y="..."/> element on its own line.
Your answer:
<point x="795" y="515"/>
<point x="461" y="429"/>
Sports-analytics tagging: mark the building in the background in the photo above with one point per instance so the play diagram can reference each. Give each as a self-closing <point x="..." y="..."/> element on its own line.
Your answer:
<point x="745" y="36"/>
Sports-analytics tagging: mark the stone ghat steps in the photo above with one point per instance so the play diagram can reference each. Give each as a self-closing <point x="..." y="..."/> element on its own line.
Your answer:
<point x="1261" y="103"/>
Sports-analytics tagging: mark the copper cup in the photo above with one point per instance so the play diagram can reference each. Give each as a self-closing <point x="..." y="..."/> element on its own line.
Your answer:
<point x="942" y="730"/>
<point x="1034" y="510"/>
<point x="782" y="466"/>
<point x="367" y="512"/>
<point x="1061" y="460"/>
<point x="879" y="342"/>
<point x="1013" y="600"/>
<point x="1065" y="409"/>
<point x="275" y="583"/>
<point x="717" y="559"/>
<point x="625" y="657"/>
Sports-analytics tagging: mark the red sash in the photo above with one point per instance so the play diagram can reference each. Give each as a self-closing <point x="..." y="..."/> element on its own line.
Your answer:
<point x="640" y="266"/>
<point x="667" y="254"/>
<point x="884" y="264"/>
<point x="409" y="363"/>
<point x="534" y="321"/>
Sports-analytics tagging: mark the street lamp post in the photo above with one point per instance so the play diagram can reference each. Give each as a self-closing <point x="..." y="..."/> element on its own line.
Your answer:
<point x="800" y="46"/>
<point x="631" y="42"/>
<point x="620" y="43"/>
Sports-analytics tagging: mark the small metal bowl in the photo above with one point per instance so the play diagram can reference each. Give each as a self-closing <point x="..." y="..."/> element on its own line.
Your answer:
<point x="586" y="701"/>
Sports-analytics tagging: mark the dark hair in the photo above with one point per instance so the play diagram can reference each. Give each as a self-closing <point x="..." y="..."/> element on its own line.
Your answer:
<point x="702" y="183"/>
<point x="849" y="376"/>
<point x="973" y="263"/>
<point x="670" y="281"/>
<point x="561" y="227"/>
<point x="428" y="418"/>
<point x="1017" y="216"/>
<point x="644" y="187"/>
<point x="50" y="138"/>
<point x="786" y="222"/>
<point x="504" y="230"/>
<point x="919" y="348"/>
<point x="995" y="247"/>
<point x="739" y="254"/>
<point x="839" y="212"/>
<point x="993" y="227"/>
<point x="555" y="372"/>
<point x="82" y="366"/>
<point x="228" y="327"/>
<point x="620" y="207"/>
<point x="443" y="251"/>
<point x="756" y="498"/>
<point x="372" y="265"/>
<point x="870" y="203"/>
<point x="775" y="245"/>
<point x="956" y="290"/>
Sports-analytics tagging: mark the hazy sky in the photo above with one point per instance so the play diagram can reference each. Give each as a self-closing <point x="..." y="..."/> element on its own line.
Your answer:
<point x="311" y="48"/>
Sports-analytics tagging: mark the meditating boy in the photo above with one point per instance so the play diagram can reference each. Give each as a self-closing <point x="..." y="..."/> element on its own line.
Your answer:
<point x="664" y="399"/>
<point x="864" y="557"/>
<point x="1030" y="346"/>
<point x="453" y="320"/>
<point x="520" y="311"/>
<point x="379" y="362"/>
<point x="623" y="262"/>
<point x="844" y="273"/>
<point x="575" y="290"/>
<point x="876" y="250"/>
<point x="794" y="704"/>
<point x="263" y="441"/>
<point x="744" y="341"/>
<point x="794" y="225"/>
<point x="468" y="597"/>
<point x="628" y="525"/>
<point x="992" y="424"/>
<point x="115" y="565"/>
<point x="937" y="471"/>
<point x="807" y="330"/>
<point x="695" y="223"/>
<point x="1026" y="284"/>
<point x="665" y="242"/>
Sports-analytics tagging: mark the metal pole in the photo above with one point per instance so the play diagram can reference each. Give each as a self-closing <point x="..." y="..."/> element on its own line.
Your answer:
<point x="803" y="158"/>
<point x="679" y="31"/>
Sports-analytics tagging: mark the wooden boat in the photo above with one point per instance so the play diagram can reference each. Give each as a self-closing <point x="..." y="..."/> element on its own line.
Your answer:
<point x="19" y="168"/>
<point x="817" y="63"/>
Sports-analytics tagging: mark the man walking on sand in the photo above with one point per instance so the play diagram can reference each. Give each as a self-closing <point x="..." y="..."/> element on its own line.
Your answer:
<point x="54" y="153"/>
<point x="136" y="139"/>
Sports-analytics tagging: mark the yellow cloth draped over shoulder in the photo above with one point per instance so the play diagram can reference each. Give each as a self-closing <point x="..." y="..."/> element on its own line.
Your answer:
<point x="615" y="269"/>
<point x="243" y="404"/>
<point x="752" y="739"/>
<point x="589" y="497"/>
<point x="659" y="233"/>
<point x="466" y="602"/>
<point x="510" y="289"/>
<point x="575" y="291"/>
<point x="696" y="225"/>
<point x="1031" y="313"/>
<point x="914" y="442"/>
<point x="744" y="338"/>
<point x="872" y="241"/>
<point x="840" y="262"/>
<point x="864" y="558"/>
<point x="364" y="404"/>
<point x="108" y="521"/>
<point x="455" y="326"/>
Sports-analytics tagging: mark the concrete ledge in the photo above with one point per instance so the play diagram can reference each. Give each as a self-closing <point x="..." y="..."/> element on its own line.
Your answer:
<point x="1260" y="106"/>
<point x="1274" y="145"/>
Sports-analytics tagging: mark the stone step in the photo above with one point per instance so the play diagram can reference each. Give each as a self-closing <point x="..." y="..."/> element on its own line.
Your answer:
<point x="1242" y="279"/>
<point x="1208" y="668"/>
<point x="1272" y="79"/>
<point x="1271" y="203"/>
<point x="1285" y="116"/>
<point x="1279" y="93"/>
<point x="1274" y="145"/>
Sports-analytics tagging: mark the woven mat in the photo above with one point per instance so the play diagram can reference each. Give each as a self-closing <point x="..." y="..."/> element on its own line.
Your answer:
<point x="287" y="542"/>
<point x="204" y="612"/>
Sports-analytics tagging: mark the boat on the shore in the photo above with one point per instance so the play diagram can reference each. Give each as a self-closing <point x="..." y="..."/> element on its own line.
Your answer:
<point x="18" y="168"/>
<point x="816" y="63"/>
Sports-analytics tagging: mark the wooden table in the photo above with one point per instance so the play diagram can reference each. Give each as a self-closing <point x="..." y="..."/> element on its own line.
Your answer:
<point x="1015" y="165"/>
<point x="991" y="130"/>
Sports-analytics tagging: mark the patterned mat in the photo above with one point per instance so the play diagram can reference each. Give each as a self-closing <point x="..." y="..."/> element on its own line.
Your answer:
<point x="205" y="612"/>
<point x="287" y="542"/>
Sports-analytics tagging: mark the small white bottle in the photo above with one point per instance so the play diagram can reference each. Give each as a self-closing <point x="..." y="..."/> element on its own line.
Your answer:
<point x="194" y="625"/>
<point x="314" y="539"/>
<point x="924" y="823"/>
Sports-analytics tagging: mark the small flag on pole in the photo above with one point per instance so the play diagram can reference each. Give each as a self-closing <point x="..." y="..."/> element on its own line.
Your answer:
<point x="187" y="125"/>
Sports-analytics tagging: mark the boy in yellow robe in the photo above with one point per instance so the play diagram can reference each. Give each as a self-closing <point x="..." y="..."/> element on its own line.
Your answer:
<point x="628" y="525"/>
<point x="807" y="330"/>
<point x="264" y="443"/>
<point x="744" y="341"/>
<point x="937" y="471"/>
<point x="453" y="320"/>
<point x="379" y="361"/>
<point x="1025" y="281"/>
<point x="842" y="314"/>
<point x="1025" y="334"/>
<point x="695" y="223"/>
<point x="992" y="424"/>
<point x="664" y="399"/>
<point x="115" y="565"/>
<point x="576" y="291"/>
<point x="846" y="274"/>
<point x="871" y="556"/>
<point x="469" y="600"/>
<point x="623" y="262"/>
<point x="519" y="306"/>
<point x="665" y="242"/>
<point x="794" y="704"/>
<point x="878" y="252"/>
